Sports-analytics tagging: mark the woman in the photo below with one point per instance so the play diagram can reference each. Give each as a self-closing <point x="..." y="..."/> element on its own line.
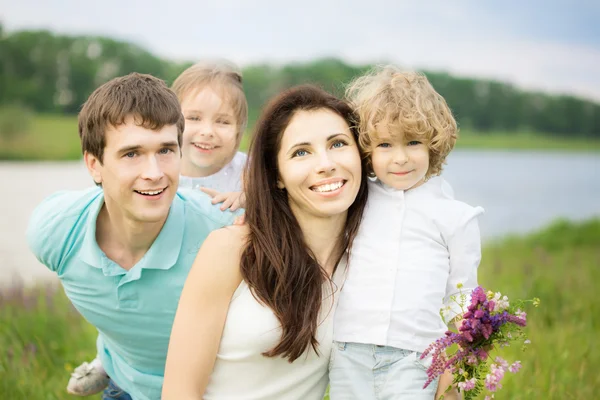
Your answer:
<point x="255" y="316"/>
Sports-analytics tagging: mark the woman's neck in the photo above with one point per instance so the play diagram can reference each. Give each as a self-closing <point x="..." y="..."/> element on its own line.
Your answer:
<point x="322" y="236"/>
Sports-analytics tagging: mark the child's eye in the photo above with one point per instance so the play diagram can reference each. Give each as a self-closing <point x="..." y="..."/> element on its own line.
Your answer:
<point x="384" y="145"/>
<point x="299" y="153"/>
<point x="193" y="118"/>
<point x="224" y="122"/>
<point x="414" y="143"/>
<point x="339" y="144"/>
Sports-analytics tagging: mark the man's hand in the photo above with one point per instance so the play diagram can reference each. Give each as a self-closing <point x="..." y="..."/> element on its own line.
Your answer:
<point x="231" y="200"/>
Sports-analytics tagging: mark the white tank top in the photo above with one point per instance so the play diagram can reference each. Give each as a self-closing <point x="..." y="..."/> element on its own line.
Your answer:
<point x="242" y="372"/>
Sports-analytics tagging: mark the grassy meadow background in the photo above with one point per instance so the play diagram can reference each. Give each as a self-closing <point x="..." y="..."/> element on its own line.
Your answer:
<point x="43" y="338"/>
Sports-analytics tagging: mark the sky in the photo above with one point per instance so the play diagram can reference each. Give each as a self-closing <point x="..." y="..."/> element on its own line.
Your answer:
<point x="550" y="46"/>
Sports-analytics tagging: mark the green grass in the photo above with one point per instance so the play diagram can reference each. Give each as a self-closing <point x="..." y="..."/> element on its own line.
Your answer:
<point x="42" y="337"/>
<point x="523" y="141"/>
<point x="54" y="137"/>
<point x="561" y="266"/>
<point x="51" y="137"/>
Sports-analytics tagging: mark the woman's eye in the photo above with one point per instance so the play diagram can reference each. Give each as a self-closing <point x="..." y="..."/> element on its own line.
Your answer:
<point x="339" y="144"/>
<point x="300" y="153"/>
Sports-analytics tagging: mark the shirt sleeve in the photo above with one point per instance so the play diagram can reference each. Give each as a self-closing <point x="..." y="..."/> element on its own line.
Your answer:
<point x="45" y="230"/>
<point x="464" y="247"/>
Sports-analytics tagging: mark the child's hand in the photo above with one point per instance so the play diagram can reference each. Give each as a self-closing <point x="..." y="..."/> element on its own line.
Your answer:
<point x="446" y="380"/>
<point x="231" y="200"/>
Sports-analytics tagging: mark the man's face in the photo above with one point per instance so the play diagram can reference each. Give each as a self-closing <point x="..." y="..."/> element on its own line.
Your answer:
<point x="140" y="171"/>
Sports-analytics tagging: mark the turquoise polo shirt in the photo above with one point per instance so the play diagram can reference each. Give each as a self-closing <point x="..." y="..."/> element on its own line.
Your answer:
<point x="132" y="310"/>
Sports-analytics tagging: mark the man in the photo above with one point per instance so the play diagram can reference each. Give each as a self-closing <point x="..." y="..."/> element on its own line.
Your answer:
<point x="123" y="250"/>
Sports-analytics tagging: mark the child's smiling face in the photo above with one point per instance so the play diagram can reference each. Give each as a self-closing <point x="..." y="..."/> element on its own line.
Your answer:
<point x="400" y="161"/>
<point x="210" y="139"/>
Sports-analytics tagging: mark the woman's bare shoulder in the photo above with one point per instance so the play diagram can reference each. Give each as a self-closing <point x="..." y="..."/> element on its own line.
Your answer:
<point x="230" y="237"/>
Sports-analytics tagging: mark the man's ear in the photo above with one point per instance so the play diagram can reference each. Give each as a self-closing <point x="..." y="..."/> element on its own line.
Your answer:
<point x="94" y="166"/>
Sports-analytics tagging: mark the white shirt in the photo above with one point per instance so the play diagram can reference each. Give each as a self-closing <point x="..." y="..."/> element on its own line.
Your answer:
<point x="412" y="249"/>
<point x="241" y="372"/>
<point x="227" y="179"/>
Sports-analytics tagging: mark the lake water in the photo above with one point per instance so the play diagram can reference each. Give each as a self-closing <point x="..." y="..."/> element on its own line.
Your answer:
<point x="520" y="191"/>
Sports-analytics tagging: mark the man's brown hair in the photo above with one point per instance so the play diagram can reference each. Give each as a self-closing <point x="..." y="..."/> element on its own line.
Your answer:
<point x="148" y="99"/>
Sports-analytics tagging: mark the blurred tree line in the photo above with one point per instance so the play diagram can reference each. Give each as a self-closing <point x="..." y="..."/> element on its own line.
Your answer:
<point x="55" y="73"/>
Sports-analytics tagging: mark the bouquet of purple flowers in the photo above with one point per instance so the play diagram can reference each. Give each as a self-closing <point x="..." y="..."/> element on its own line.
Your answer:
<point x="489" y="320"/>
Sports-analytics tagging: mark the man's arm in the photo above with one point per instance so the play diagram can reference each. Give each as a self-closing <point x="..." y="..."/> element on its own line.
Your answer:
<point x="51" y="229"/>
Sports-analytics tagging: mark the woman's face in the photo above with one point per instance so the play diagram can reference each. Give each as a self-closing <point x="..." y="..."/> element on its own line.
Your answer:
<point x="319" y="164"/>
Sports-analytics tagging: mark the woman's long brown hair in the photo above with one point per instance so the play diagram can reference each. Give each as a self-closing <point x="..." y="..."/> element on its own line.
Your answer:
<point x="280" y="269"/>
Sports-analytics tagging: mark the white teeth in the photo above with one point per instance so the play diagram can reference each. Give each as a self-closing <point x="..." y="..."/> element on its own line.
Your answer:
<point x="204" y="146"/>
<point x="151" y="193"/>
<point x="329" y="187"/>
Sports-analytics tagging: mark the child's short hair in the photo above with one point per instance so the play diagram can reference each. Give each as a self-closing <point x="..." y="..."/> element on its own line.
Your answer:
<point x="404" y="103"/>
<point x="222" y="75"/>
<point x="148" y="99"/>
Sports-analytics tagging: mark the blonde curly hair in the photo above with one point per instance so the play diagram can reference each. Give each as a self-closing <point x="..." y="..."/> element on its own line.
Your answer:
<point x="387" y="99"/>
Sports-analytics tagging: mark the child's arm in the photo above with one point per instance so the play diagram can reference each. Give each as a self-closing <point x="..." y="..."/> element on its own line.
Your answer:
<point x="464" y="247"/>
<point x="231" y="200"/>
<point x="446" y="380"/>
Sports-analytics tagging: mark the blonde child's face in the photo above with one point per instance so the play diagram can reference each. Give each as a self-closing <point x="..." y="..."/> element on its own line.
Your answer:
<point x="210" y="138"/>
<point x="399" y="161"/>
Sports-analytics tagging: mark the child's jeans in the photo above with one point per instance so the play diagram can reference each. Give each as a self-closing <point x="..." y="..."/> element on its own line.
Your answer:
<point x="114" y="392"/>
<point x="371" y="372"/>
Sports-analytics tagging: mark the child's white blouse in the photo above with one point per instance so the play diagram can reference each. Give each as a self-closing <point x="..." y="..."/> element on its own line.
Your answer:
<point x="228" y="179"/>
<point x="411" y="251"/>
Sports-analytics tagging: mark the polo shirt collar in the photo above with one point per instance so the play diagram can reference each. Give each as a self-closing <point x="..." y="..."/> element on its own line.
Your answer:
<point x="163" y="254"/>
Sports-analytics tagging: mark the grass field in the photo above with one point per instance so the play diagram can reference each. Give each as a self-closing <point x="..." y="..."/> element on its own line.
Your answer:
<point x="42" y="337"/>
<point x="54" y="137"/>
